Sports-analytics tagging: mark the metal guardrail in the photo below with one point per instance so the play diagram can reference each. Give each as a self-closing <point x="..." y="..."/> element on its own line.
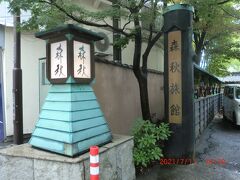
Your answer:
<point x="205" y="109"/>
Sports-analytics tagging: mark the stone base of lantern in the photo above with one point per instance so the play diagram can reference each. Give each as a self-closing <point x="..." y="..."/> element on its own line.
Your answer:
<point x="70" y="121"/>
<point x="23" y="162"/>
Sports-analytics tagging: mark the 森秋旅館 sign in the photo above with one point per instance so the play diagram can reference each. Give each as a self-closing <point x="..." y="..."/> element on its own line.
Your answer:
<point x="175" y="77"/>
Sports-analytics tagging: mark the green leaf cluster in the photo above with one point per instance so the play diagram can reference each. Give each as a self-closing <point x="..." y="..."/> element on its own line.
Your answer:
<point x="47" y="14"/>
<point x="148" y="138"/>
<point x="216" y="27"/>
<point x="222" y="54"/>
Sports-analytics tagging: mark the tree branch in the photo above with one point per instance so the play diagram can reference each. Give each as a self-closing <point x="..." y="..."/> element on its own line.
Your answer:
<point x="213" y="37"/>
<point x="83" y="21"/>
<point x="141" y="4"/>
<point x="151" y="42"/>
<point x="150" y="33"/>
<point x="129" y="21"/>
<point x="196" y="17"/>
<point x="202" y="37"/>
<point x="124" y="26"/>
<point x="228" y="13"/>
<point x="223" y="2"/>
<point x="138" y="48"/>
<point x="196" y="38"/>
<point x="158" y="35"/>
<point x="148" y="49"/>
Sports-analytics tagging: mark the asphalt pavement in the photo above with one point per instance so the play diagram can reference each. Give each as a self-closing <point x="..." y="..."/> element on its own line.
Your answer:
<point x="217" y="157"/>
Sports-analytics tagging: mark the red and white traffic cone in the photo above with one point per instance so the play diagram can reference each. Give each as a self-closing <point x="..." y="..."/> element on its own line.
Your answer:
<point x="94" y="163"/>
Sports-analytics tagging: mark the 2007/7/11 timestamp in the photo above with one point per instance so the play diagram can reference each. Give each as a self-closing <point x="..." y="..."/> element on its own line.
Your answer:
<point x="185" y="161"/>
<point x="179" y="161"/>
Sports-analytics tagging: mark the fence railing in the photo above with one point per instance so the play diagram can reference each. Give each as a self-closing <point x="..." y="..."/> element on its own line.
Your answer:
<point x="205" y="110"/>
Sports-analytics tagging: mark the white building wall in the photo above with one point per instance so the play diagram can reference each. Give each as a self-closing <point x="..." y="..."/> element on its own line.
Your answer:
<point x="155" y="59"/>
<point x="32" y="49"/>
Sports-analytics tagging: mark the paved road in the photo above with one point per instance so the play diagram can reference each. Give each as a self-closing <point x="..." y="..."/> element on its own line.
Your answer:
<point x="219" y="142"/>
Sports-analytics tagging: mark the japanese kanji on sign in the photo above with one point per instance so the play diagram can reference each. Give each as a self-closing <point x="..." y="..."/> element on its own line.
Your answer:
<point x="175" y="78"/>
<point x="178" y="81"/>
<point x="82" y="60"/>
<point x="59" y="60"/>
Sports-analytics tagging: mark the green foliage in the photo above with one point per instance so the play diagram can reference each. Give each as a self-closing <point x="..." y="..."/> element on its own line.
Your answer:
<point x="234" y="65"/>
<point x="121" y="42"/>
<point x="47" y="14"/>
<point x="222" y="67"/>
<point x="223" y="55"/>
<point x="147" y="142"/>
<point x="216" y="25"/>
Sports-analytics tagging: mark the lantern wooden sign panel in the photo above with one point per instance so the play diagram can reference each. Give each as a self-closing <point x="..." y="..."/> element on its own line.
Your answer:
<point x="58" y="60"/>
<point x="82" y="60"/>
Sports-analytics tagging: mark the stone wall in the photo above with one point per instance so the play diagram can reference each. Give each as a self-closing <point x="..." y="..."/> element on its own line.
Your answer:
<point x="26" y="163"/>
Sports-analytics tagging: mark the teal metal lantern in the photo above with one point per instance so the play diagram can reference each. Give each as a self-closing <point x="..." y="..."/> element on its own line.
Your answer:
<point x="71" y="119"/>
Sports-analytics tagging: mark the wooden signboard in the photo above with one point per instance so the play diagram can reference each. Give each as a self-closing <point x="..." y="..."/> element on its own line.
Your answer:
<point x="82" y="60"/>
<point x="175" y="77"/>
<point x="58" y="60"/>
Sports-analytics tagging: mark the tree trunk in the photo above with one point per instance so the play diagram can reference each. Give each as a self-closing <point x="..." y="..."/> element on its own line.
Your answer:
<point x="143" y="87"/>
<point x="198" y="57"/>
<point x="199" y="42"/>
<point x="141" y="75"/>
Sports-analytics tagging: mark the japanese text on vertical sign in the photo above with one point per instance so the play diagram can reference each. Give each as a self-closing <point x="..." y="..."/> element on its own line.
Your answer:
<point x="174" y="75"/>
<point x="59" y="60"/>
<point x="82" y="60"/>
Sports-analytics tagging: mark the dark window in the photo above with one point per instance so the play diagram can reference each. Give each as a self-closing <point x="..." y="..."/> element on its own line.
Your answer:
<point x="230" y="92"/>
<point x="238" y="92"/>
<point x="226" y="89"/>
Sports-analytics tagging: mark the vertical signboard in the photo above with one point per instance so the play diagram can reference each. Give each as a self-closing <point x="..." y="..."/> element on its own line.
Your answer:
<point x="59" y="60"/>
<point x="82" y="60"/>
<point x="178" y="81"/>
<point x="175" y="77"/>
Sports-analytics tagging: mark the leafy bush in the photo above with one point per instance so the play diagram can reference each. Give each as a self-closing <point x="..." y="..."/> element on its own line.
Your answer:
<point x="148" y="138"/>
